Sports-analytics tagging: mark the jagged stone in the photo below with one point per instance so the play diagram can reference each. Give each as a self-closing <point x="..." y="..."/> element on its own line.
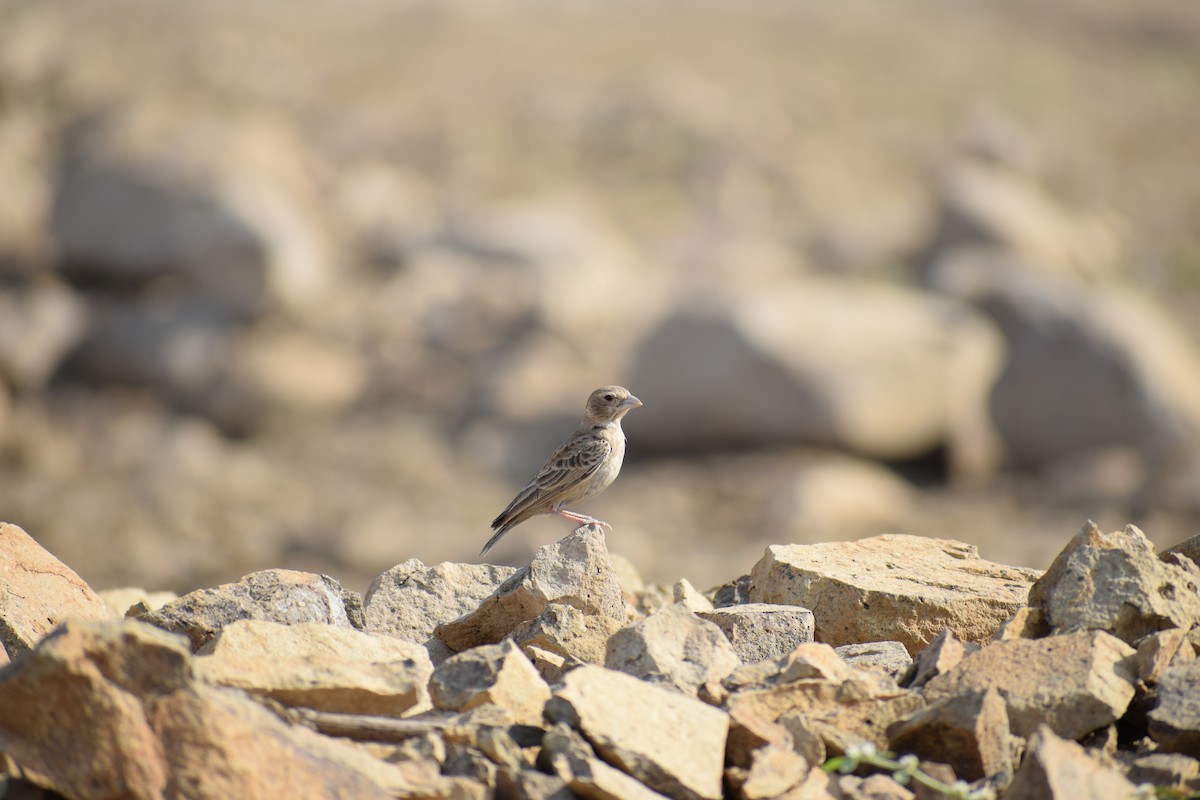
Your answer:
<point x="759" y="631"/>
<point x="892" y="587"/>
<point x="272" y="595"/>
<point x="691" y="597"/>
<point x="891" y="657"/>
<point x="579" y="637"/>
<point x="748" y="731"/>
<point x="968" y="731"/>
<point x="38" y="592"/>
<point x="1025" y="623"/>
<point x="673" y="744"/>
<point x="1074" y="683"/>
<point x="496" y="674"/>
<point x="575" y="571"/>
<point x="550" y="665"/>
<point x="1057" y="769"/>
<point x="734" y="593"/>
<point x="805" y="741"/>
<point x="939" y="657"/>
<point x="410" y="600"/>
<point x="872" y="787"/>
<point x="808" y="661"/>
<point x="1165" y="770"/>
<point x="1162" y="650"/>
<point x="773" y="771"/>
<point x="1175" y="720"/>
<point x="134" y="602"/>
<point x="529" y="784"/>
<point x="319" y="666"/>
<point x="673" y="648"/>
<point x="1115" y="582"/>
<point x="571" y="758"/>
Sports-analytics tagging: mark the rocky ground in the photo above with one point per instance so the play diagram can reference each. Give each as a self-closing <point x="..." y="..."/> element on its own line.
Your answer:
<point x="286" y="285"/>
<point x="889" y="668"/>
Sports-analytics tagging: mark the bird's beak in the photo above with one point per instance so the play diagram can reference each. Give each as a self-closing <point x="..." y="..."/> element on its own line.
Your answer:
<point x="630" y="402"/>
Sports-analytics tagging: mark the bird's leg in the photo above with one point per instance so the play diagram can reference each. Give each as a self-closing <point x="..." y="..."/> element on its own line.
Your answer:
<point x="582" y="519"/>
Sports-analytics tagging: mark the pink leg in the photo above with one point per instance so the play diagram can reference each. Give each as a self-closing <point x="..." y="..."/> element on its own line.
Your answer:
<point x="582" y="519"/>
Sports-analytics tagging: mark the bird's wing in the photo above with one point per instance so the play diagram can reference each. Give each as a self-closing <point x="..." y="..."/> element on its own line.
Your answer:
<point x="570" y="464"/>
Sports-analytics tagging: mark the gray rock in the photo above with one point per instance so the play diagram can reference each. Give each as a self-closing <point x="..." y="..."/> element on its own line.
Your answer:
<point x="571" y="758"/>
<point x="1175" y="720"/>
<point x="891" y="657"/>
<point x="673" y="648"/>
<point x="564" y="630"/>
<point x="272" y="595"/>
<point x="760" y="631"/>
<point x="493" y="674"/>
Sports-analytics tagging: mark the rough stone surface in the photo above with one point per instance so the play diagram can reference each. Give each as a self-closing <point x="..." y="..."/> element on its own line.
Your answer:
<point x="319" y="666"/>
<point x="939" y="657"/>
<point x="496" y="674"/>
<point x="748" y="731"/>
<point x="759" y="631"/>
<point x="37" y="592"/>
<point x="891" y="657"/>
<point x="673" y="648"/>
<point x="892" y="587"/>
<point x="641" y="734"/>
<point x="1115" y="582"/>
<point x="968" y="731"/>
<point x="571" y="758"/>
<point x="773" y="770"/>
<point x="568" y="632"/>
<point x="142" y="727"/>
<point x="1057" y="769"/>
<point x="1074" y="683"/>
<point x="690" y="596"/>
<point x="1162" y="650"/>
<point x="1025" y="623"/>
<point x="410" y="600"/>
<point x="1175" y="720"/>
<point x="272" y="595"/>
<point x="808" y="661"/>
<point x="574" y="571"/>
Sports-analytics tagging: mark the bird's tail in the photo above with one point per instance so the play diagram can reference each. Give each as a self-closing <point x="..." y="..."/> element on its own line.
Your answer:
<point x="495" y="538"/>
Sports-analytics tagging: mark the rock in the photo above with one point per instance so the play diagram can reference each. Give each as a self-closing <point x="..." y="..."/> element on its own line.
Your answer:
<point x="410" y="600"/>
<point x="272" y="595"/>
<point x="683" y="592"/>
<point x="574" y="571"/>
<point x="550" y="665"/>
<point x="759" y="631"/>
<point x="939" y="657"/>
<point x="891" y="657"/>
<point x="968" y="731"/>
<point x="1188" y="547"/>
<point x="565" y="630"/>
<point x="748" y="731"/>
<point x="120" y="602"/>
<point x="496" y="674"/>
<point x="892" y="587"/>
<point x="566" y="753"/>
<point x="38" y="327"/>
<point x="1162" y="650"/>
<point x="37" y="592"/>
<point x="672" y="648"/>
<point x="1074" y="683"/>
<point x="1025" y="623"/>
<point x="1175" y="720"/>
<point x="319" y="666"/>
<point x="673" y="744"/>
<point x="529" y="784"/>
<point x="141" y="726"/>
<point x="773" y="770"/>
<point x="1165" y="770"/>
<point x="872" y="787"/>
<point x="1056" y="769"/>
<point x="813" y="660"/>
<point x="734" y="593"/>
<point x="1116" y="583"/>
<point x="787" y="362"/>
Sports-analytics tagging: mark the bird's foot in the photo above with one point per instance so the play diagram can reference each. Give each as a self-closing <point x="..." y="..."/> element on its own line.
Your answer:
<point x="583" y="519"/>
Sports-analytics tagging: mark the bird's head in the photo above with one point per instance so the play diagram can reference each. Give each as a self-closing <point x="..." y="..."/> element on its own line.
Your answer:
<point x="609" y="403"/>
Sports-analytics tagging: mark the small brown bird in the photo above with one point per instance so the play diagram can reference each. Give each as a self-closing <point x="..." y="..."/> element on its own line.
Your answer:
<point x="583" y="466"/>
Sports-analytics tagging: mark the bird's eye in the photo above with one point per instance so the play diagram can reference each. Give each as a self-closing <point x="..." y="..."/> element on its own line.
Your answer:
<point x="608" y="397"/>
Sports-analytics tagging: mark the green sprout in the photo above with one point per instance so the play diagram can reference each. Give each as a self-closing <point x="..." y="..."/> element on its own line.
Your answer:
<point x="904" y="769"/>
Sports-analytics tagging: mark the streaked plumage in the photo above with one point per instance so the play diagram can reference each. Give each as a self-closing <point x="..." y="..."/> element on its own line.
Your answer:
<point x="583" y="466"/>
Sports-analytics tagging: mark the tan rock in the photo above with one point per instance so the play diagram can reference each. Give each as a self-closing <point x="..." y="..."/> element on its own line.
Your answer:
<point x="410" y="600"/>
<point x="1175" y="720"/>
<point x="1162" y="650"/>
<point x="968" y="731"/>
<point x="672" y="648"/>
<point x="495" y="674"/>
<point x="1057" y="769"/>
<point x="1173" y="770"/>
<point x="892" y="587"/>
<point x="563" y="629"/>
<point x="1074" y="683"/>
<point x="574" y="571"/>
<point x="805" y="740"/>
<point x="891" y="657"/>
<point x="817" y="785"/>
<point x="748" y="731"/>
<point x="812" y="660"/>
<point x="1189" y="547"/>
<point x="940" y="656"/>
<point x="673" y="744"/>
<point x="1025" y="623"/>
<point x="872" y="787"/>
<point x="773" y="770"/>
<point x="120" y="602"/>
<point x="319" y="666"/>
<point x="272" y="595"/>
<point x="551" y="666"/>
<point x="37" y="592"/>
<point x="530" y="784"/>
<point x="572" y="759"/>
<point x="759" y="631"/>
<point x="1116" y="582"/>
<point x="690" y="596"/>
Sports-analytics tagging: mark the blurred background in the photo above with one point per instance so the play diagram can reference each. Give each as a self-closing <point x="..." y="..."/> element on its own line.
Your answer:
<point x="320" y="284"/>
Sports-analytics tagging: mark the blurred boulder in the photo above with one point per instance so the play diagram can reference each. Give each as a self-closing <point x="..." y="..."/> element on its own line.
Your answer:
<point x="877" y="370"/>
<point x="39" y="324"/>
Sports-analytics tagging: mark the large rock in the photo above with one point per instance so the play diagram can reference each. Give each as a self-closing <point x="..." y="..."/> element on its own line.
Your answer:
<point x="319" y="666"/>
<point x="968" y="731"/>
<point x="673" y="648"/>
<point x="564" y="630"/>
<point x="493" y="674"/>
<point x="759" y="631"/>
<point x="410" y="600"/>
<point x="1116" y="582"/>
<point x="892" y="587"/>
<point x="272" y="595"/>
<point x="673" y="744"/>
<point x="1074" y="683"/>
<point x="574" y="571"/>
<point x="37" y="592"/>
<point x="1175" y="720"/>
<point x="112" y="710"/>
<point x="1056" y="769"/>
<point x="876" y="370"/>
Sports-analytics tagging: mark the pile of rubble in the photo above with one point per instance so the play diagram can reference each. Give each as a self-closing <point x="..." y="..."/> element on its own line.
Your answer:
<point x="572" y="677"/>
